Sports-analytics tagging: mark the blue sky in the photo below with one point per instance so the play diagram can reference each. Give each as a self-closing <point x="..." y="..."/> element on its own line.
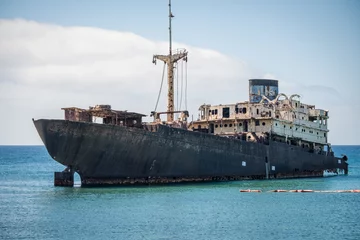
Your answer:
<point x="312" y="44"/>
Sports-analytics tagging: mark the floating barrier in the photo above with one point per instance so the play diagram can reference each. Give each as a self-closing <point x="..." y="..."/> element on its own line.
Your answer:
<point x="304" y="191"/>
<point x="301" y="190"/>
<point x="279" y="190"/>
<point x="249" y="190"/>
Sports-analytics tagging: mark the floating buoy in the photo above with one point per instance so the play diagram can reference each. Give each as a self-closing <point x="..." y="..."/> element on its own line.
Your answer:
<point x="279" y="190"/>
<point x="249" y="190"/>
<point x="255" y="190"/>
<point x="307" y="190"/>
<point x="246" y="190"/>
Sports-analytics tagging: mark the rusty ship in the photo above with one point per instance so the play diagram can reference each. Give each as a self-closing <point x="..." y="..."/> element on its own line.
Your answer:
<point x="271" y="135"/>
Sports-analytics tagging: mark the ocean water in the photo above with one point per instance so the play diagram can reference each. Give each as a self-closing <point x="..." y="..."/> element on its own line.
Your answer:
<point x="32" y="208"/>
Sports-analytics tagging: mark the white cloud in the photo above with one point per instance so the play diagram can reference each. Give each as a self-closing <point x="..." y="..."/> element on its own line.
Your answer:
<point x="45" y="67"/>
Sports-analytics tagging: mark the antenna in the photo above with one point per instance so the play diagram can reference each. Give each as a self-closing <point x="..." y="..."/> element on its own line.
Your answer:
<point x="170" y="40"/>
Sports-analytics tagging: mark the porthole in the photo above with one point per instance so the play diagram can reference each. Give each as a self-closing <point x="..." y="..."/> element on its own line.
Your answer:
<point x="230" y="125"/>
<point x="240" y="124"/>
<point x="263" y="123"/>
<point x="225" y="125"/>
<point x="216" y="126"/>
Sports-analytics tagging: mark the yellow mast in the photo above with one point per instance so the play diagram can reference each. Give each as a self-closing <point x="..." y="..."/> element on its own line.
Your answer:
<point x="170" y="59"/>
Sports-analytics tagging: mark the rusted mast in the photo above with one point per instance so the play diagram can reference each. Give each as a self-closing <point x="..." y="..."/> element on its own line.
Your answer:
<point x="170" y="60"/>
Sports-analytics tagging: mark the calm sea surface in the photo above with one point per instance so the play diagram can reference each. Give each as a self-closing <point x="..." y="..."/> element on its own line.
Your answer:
<point x="32" y="208"/>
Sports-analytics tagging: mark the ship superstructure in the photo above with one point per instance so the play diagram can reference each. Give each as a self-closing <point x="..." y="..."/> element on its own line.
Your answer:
<point x="267" y="115"/>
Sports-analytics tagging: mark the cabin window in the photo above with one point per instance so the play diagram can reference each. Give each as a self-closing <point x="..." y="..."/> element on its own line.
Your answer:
<point x="257" y="123"/>
<point x="324" y="134"/>
<point x="216" y="111"/>
<point x="225" y="125"/>
<point x="296" y="129"/>
<point x="199" y="126"/>
<point x="290" y="127"/>
<point x="296" y="105"/>
<point x="244" y="110"/>
<point x="257" y="111"/>
<point x="275" y="124"/>
<point x="284" y="126"/>
<point x="220" y="125"/>
<point x="226" y="112"/>
<point x="212" y="112"/>
<point x="230" y="125"/>
<point x="216" y="126"/>
<point x="317" y="133"/>
<point x="240" y="124"/>
<point x="277" y="116"/>
<point x="269" y="113"/>
<point x="263" y="123"/>
<point x="236" y="110"/>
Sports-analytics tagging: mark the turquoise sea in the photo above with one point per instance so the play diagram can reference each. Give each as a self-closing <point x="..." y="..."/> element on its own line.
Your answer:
<point x="32" y="208"/>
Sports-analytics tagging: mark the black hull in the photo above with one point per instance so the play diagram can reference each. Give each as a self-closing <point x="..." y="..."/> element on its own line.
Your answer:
<point x="114" y="155"/>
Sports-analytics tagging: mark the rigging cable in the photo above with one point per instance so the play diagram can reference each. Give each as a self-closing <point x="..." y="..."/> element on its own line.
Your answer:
<point x="186" y="85"/>
<point x="162" y="81"/>
<point x="182" y="80"/>
<point x="177" y="87"/>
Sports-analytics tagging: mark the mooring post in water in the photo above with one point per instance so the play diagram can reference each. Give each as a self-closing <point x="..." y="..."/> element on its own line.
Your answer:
<point x="64" y="178"/>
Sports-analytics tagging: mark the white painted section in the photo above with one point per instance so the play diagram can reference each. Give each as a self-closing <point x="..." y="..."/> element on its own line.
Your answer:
<point x="302" y="131"/>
